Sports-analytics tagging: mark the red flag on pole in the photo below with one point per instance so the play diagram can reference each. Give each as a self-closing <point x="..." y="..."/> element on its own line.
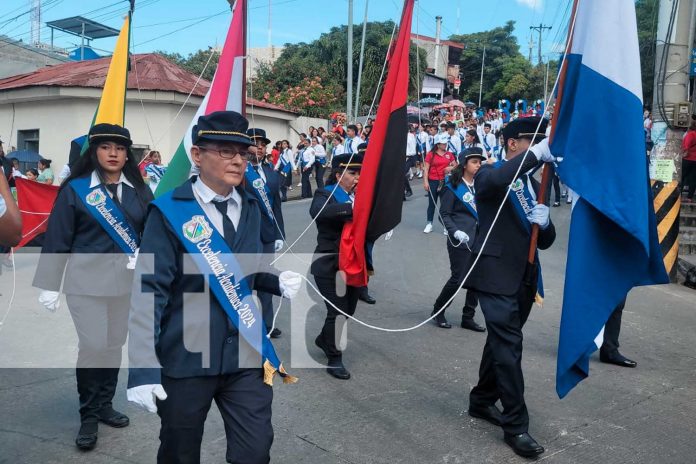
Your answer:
<point x="379" y="195"/>
<point x="35" y="201"/>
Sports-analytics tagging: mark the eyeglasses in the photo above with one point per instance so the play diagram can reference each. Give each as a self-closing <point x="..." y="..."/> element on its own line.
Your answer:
<point x="228" y="153"/>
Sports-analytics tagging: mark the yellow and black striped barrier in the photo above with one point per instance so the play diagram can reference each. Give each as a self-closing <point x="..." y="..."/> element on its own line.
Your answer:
<point x="667" y="204"/>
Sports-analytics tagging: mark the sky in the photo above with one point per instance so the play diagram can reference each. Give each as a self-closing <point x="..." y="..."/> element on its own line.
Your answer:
<point x="174" y="26"/>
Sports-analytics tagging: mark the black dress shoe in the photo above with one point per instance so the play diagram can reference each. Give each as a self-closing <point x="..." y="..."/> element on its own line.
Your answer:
<point x="489" y="413"/>
<point x="440" y="321"/>
<point x="87" y="436"/>
<point x="364" y="296"/>
<point x="617" y="359"/>
<point x="337" y="370"/>
<point x="524" y="445"/>
<point x="113" y="418"/>
<point x="468" y="323"/>
<point x="408" y="194"/>
<point x="275" y="333"/>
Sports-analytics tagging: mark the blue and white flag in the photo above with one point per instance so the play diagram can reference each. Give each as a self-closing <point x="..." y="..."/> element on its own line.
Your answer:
<point x="613" y="244"/>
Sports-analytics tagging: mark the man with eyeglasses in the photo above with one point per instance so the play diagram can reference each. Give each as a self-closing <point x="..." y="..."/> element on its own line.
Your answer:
<point x="180" y="363"/>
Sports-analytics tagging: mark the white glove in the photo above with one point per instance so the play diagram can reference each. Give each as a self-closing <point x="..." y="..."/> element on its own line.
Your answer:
<point x="290" y="283"/>
<point x="144" y="396"/>
<point x="279" y="245"/>
<point x="50" y="300"/>
<point x="539" y="215"/>
<point x="132" y="260"/>
<point x="542" y="151"/>
<point x="461" y="236"/>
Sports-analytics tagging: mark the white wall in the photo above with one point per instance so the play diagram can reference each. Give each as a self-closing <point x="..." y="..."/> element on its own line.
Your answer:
<point x="62" y="118"/>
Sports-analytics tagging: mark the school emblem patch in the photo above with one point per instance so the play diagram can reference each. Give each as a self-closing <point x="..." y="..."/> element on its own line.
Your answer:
<point x="258" y="183"/>
<point x="197" y="229"/>
<point x="468" y="197"/>
<point x="517" y="185"/>
<point x="95" y="197"/>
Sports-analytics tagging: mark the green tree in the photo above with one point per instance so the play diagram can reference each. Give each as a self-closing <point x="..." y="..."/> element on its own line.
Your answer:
<point x="325" y="58"/>
<point x="646" y="16"/>
<point x="195" y="62"/>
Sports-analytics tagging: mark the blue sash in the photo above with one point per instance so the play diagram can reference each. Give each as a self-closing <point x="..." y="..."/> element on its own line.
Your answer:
<point x="214" y="258"/>
<point x="523" y="202"/>
<point x="485" y="143"/>
<point x="261" y="190"/>
<point x="108" y="215"/>
<point x="340" y="195"/>
<point x="466" y="196"/>
<point x="349" y="146"/>
<point x="285" y="165"/>
<point x="452" y="148"/>
<point x="321" y="160"/>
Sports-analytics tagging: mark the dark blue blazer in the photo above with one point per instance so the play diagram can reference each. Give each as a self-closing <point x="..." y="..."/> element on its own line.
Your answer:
<point x="269" y="231"/>
<point x="156" y="335"/>
<point x="504" y="258"/>
<point x="329" y="220"/>
<point x="96" y="266"/>
<point x="456" y="216"/>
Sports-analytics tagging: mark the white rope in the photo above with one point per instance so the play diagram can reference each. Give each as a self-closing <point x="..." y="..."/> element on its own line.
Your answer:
<point x="14" y="290"/>
<point x="142" y="104"/>
<point x="485" y="241"/>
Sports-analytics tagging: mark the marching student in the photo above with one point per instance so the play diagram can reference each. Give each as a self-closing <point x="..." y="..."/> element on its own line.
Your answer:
<point x="306" y="161"/>
<point x="331" y="208"/>
<point x="488" y="141"/>
<point x="264" y="183"/>
<point x="504" y="283"/>
<point x="92" y="238"/>
<point x="458" y="210"/>
<point x="284" y="167"/>
<point x="208" y="222"/>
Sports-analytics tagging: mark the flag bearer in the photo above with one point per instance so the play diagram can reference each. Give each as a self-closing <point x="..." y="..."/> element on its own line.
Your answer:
<point x="192" y="347"/>
<point x="505" y="284"/>
<point x="92" y="237"/>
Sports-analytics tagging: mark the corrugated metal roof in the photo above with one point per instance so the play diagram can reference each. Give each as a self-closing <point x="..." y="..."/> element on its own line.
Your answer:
<point x="154" y="73"/>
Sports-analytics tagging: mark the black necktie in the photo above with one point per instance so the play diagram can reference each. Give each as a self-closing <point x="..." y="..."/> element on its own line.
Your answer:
<point x="227" y="225"/>
<point x="113" y="188"/>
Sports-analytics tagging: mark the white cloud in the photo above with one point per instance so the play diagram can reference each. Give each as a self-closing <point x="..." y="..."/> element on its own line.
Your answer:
<point x="533" y="4"/>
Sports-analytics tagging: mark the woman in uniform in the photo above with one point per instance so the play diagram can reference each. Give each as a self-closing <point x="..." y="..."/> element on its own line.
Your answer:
<point x="458" y="210"/>
<point x="331" y="208"/>
<point x="92" y="237"/>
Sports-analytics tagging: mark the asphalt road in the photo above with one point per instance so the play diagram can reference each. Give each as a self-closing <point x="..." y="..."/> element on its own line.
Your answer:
<point x="407" y="400"/>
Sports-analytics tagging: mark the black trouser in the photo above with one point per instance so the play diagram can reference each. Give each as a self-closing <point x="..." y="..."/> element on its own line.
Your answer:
<point x="347" y="302"/>
<point x="319" y="174"/>
<point x="265" y="298"/>
<point x="102" y="327"/>
<point x="500" y="373"/>
<point x="244" y="402"/>
<point x="610" y="345"/>
<point x="458" y="258"/>
<point x="410" y="163"/>
<point x="433" y="195"/>
<point x="285" y="182"/>
<point x="306" y="187"/>
<point x="689" y="177"/>
<point x="555" y="182"/>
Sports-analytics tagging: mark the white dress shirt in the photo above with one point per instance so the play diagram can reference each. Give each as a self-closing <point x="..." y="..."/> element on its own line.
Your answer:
<point x="338" y="150"/>
<point x="287" y="157"/>
<point x="410" y="144"/>
<point x="490" y="140"/>
<point x="205" y="196"/>
<point x="308" y="157"/>
<point x="94" y="181"/>
<point x="319" y="151"/>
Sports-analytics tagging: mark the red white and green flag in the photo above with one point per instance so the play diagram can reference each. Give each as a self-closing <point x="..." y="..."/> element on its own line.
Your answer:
<point x="227" y="93"/>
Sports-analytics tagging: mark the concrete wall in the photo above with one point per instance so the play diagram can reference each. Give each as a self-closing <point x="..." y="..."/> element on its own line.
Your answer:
<point x="19" y="59"/>
<point x="302" y="123"/>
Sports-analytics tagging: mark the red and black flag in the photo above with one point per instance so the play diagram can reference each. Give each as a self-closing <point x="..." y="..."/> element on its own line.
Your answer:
<point x="379" y="196"/>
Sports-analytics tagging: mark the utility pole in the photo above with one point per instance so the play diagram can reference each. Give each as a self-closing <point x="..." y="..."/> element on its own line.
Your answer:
<point x="362" y="56"/>
<point x="438" y="29"/>
<point x="483" y="62"/>
<point x="349" y="96"/>
<point x="546" y="83"/>
<point x="270" y="41"/>
<point x="671" y="115"/>
<point x="35" y="19"/>
<point x="531" y="47"/>
<point x="541" y="27"/>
